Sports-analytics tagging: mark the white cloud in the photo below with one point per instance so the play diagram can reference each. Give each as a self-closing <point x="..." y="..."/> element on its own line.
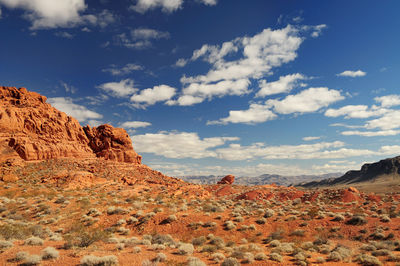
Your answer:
<point x="152" y="95"/>
<point x="181" y="62"/>
<point x="135" y="124"/>
<point x="353" y="74"/>
<point x="198" y="92"/>
<point x="119" y="89"/>
<point x="125" y="70"/>
<point x="254" y="57"/>
<point x="389" y="132"/>
<point x="389" y="120"/>
<point x="355" y="111"/>
<point x="283" y="85"/>
<point x="256" y="113"/>
<point x="309" y="100"/>
<point x="209" y="2"/>
<point x="141" y="38"/>
<point x="322" y="150"/>
<point x="105" y="18"/>
<point x="69" y="88"/>
<point x="317" y="30"/>
<point x="51" y="14"/>
<point x="80" y="112"/>
<point x="310" y="138"/>
<point x="167" y="6"/>
<point x="388" y="100"/>
<point x="178" y="144"/>
<point x="64" y="34"/>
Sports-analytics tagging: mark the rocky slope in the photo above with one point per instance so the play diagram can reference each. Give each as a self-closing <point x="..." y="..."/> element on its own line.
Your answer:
<point x="32" y="129"/>
<point x="369" y="172"/>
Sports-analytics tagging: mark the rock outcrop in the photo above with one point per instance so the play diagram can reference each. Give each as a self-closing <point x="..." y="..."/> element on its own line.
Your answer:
<point x="32" y="129"/>
<point x="112" y="144"/>
<point x="229" y="179"/>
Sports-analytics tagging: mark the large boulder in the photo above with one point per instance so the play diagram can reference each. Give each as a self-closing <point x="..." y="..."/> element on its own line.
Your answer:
<point x="229" y="179"/>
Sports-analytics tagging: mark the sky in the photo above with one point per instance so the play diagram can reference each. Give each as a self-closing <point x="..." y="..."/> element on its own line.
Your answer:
<point x="216" y="87"/>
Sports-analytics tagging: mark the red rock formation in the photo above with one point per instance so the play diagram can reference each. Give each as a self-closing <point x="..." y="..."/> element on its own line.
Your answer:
<point x="229" y="179"/>
<point x="32" y="129"/>
<point x="112" y="144"/>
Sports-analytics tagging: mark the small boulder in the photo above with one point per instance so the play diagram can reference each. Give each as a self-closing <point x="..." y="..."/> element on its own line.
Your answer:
<point x="229" y="179"/>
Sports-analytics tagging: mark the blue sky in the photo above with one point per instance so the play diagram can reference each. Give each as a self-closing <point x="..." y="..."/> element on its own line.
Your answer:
<point x="218" y="86"/>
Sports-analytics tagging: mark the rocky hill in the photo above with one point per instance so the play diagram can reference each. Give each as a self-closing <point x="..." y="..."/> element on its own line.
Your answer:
<point x="32" y="129"/>
<point x="371" y="172"/>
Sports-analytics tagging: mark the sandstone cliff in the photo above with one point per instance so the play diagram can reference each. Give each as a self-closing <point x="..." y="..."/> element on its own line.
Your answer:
<point x="34" y="130"/>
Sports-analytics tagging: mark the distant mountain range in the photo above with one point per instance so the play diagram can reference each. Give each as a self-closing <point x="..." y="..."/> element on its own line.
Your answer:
<point x="384" y="171"/>
<point x="261" y="179"/>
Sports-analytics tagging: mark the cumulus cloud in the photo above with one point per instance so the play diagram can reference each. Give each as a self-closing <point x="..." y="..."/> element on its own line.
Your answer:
<point x="119" y="89"/>
<point x="284" y="85"/>
<point x="209" y="2"/>
<point x="152" y="95"/>
<point x="390" y="120"/>
<point x="198" y="92"/>
<point x="309" y="100"/>
<point x="355" y="111"/>
<point x="135" y="124"/>
<point x="50" y="14"/>
<point x="353" y="74"/>
<point x="64" y="34"/>
<point x="257" y="113"/>
<point x="168" y="6"/>
<point x="80" y="112"/>
<point x="388" y="100"/>
<point x="322" y="150"/>
<point x="140" y="38"/>
<point x="178" y="144"/>
<point x="310" y="138"/>
<point x="389" y="132"/>
<point x="125" y="70"/>
<point x="253" y="58"/>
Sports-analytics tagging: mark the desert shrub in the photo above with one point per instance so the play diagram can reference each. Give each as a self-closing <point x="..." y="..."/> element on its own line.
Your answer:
<point x="112" y="210"/>
<point x="340" y="253"/>
<point x="198" y="241"/>
<point x="276" y="257"/>
<point x="230" y="262"/>
<point x="33" y="241"/>
<point x="193" y="261"/>
<point x="31" y="260"/>
<point x="19" y="231"/>
<point x="218" y="257"/>
<point x="275" y="243"/>
<point x="260" y="256"/>
<point x="185" y="249"/>
<point x="50" y="253"/>
<point x="356" y="220"/>
<point x="269" y="213"/>
<point x="90" y="260"/>
<point x="380" y="252"/>
<point x="137" y="250"/>
<point x="160" y="257"/>
<point x="298" y="232"/>
<point x="248" y="257"/>
<point x="385" y="218"/>
<point x="21" y="255"/>
<point x="229" y="225"/>
<point x="320" y="260"/>
<point x="338" y="218"/>
<point x="162" y="239"/>
<point x="79" y="236"/>
<point x="261" y="220"/>
<point x="365" y="259"/>
<point x="5" y="244"/>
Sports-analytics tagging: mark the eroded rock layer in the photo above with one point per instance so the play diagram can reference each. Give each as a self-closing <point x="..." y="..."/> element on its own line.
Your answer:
<point x="32" y="129"/>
